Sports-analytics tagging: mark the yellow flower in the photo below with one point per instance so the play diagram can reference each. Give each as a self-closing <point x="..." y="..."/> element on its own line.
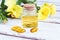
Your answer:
<point x="46" y="10"/>
<point x="15" y="11"/>
<point x="10" y="3"/>
<point x="43" y="13"/>
<point x="52" y="8"/>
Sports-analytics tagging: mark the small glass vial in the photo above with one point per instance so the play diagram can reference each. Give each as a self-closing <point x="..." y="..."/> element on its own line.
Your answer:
<point x="29" y="16"/>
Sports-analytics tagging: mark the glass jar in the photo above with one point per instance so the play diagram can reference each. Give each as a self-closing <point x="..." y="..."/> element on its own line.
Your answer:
<point x="29" y="16"/>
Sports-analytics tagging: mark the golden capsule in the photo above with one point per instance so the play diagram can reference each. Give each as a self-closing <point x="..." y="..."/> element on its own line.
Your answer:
<point x="34" y="30"/>
<point x="18" y="29"/>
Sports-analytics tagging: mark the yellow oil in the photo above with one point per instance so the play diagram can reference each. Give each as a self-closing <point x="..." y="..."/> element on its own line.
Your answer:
<point x="29" y="21"/>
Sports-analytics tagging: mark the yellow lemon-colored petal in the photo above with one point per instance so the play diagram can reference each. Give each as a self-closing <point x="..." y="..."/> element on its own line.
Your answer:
<point x="46" y="4"/>
<point x="10" y="3"/>
<point x="43" y="13"/>
<point x="53" y="9"/>
<point x="15" y="10"/>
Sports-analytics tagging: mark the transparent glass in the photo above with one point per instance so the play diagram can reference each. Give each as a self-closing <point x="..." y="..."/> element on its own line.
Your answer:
<point x="30" y="18"/>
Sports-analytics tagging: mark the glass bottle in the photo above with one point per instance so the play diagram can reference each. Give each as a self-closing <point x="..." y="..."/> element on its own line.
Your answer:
<point x="29" y="16"/>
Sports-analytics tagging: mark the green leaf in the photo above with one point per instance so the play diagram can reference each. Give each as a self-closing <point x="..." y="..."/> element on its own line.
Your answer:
<point x="19" y="2"/>
<point x="2" y="3"/>
<point x="24" y="1"/>
<point x="0" y="19"/>
<point x="29" y="1"/>
<point x="3" y="6"/>
<point x="3" y="13"/>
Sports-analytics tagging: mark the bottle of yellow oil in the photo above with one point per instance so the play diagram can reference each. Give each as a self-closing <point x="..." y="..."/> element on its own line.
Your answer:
<point x="29" y="16"/>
